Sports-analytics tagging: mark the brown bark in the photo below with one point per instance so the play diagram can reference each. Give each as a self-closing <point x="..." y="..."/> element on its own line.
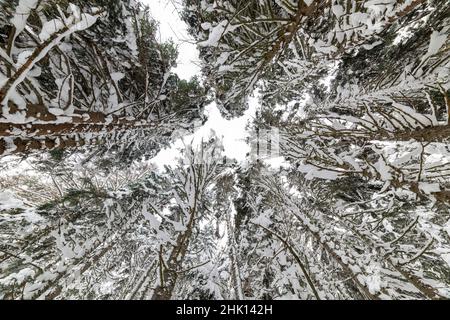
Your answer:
<point x="48" y="134"/>
<point x="297" y="259"/>
<point x="170" y="272"/>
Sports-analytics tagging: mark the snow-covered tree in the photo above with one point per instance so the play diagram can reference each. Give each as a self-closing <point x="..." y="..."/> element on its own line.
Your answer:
<point x="359" y="208"/>
<point x="88" y="73"/>
<point x="307" y="239"/>
<point x="359" y="91"/>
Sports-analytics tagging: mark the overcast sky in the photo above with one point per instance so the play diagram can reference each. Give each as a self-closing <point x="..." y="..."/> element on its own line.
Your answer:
<point x="172" y="27"/>
<point x="233" y="131"/>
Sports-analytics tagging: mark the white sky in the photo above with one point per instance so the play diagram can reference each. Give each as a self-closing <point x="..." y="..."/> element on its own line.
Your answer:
<point x="172" y="27"/>
<point x="232" y="131"/>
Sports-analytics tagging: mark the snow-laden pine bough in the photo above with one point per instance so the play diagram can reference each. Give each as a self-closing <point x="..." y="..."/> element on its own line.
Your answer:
<point x="84" y="74"/>
<point x="360" y="94"/>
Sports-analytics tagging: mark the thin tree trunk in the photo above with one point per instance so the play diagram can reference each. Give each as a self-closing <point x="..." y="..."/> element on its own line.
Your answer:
<point x="170" y="271"/>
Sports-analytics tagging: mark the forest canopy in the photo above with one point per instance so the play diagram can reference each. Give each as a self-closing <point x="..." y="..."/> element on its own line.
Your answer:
<point x="345" y="188"/>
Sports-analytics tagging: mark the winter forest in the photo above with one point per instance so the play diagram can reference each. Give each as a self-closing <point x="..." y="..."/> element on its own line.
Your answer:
<point x="224" y="149"/>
